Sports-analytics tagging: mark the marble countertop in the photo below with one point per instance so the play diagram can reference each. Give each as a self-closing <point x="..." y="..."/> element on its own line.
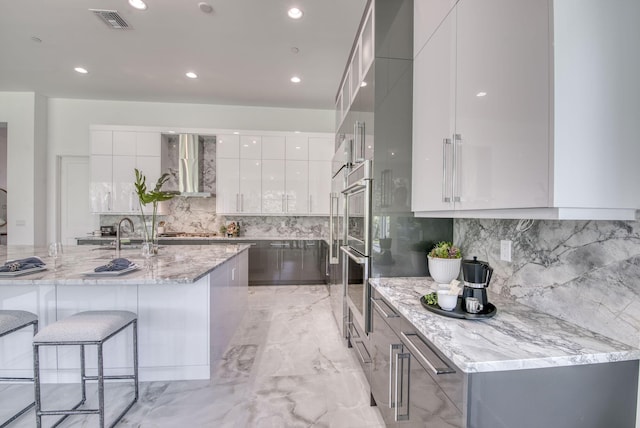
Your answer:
<point x="175" y="264"/>
<point x="517" y="337"/>
<point x="204" y="238"/>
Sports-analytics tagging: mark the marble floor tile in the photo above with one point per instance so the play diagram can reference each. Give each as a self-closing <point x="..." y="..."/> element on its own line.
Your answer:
<point x="286" y="366"/>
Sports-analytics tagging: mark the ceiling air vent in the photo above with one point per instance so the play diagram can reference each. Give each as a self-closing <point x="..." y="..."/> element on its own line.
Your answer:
<point x="111" y="18"/>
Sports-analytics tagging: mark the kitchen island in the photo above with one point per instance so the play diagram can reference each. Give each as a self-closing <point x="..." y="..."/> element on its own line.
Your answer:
<point x="520" y="368"/>
<point x="189" y="301"/>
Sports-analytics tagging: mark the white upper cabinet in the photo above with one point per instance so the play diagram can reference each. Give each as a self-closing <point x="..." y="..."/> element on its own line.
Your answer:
<point x="250" y="186"/>
<point x="228" y="185"/>
<point x="367" y="39"/>
<point x="517" y="116"/>
<point x="297" y="187"/>
<point x="101" y="143"/>
<point x="148" y="144"/>
<point x="250" y="147"/>
<point x="273" y="187"/>
<point x="433" y="121"/>
<point x="319" y="187"/>
<point x="114" y="157"/>
<point x="124" y="143"/>
<point x="297" y="148"/>
<point x="228" y="146"/>
<point x="273" y="147"/>
<point x="427" y="16"/>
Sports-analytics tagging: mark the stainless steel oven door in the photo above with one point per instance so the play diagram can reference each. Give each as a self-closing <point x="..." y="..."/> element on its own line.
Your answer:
<point x="356" y="283"/>
<point x="358" y="209"/>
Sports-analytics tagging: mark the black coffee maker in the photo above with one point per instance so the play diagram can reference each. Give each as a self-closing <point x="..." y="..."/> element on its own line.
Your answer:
<point x="476" y="275"/>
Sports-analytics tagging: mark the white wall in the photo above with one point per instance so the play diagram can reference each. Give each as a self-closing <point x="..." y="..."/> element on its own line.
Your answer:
<point x="69" y="121"/>
<point x="26" y="115"/>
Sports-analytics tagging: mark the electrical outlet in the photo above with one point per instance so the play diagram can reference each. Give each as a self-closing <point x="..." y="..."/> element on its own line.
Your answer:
<point x="505" y="250"/>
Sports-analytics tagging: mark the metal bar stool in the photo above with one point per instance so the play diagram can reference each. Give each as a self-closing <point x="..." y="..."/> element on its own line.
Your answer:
<point x="11" y="321"/>
<point x="86" y="328"/>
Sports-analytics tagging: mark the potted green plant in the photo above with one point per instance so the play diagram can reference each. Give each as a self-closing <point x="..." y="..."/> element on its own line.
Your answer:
<point x="444" y="262"/>
<point x="153" y="197"/>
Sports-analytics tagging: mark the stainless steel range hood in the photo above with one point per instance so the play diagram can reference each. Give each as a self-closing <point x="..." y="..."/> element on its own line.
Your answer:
<point x="192" y="172"/>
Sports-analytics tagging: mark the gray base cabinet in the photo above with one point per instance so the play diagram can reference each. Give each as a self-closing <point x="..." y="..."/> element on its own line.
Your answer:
<point x="415" y="386"/>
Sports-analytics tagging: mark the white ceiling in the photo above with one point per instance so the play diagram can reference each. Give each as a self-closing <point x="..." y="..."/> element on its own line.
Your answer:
<point x="242" y="52"/>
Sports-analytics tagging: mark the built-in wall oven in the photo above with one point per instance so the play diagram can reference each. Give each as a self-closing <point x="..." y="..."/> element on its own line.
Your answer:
<point x="357" y="248"/>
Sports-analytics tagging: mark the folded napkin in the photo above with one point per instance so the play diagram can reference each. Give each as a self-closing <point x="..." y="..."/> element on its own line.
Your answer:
<point x="114" y="265"/>
<point x="22" y="264"/>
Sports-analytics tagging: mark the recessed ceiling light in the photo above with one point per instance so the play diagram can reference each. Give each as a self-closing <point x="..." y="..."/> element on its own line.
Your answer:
<point x="36" y="39"/>
<point x="191" y="75"/>
<point x="81" y="70"/>
<point x="235" y="133"/>
<point x="295" y="50"/>
<point x="294" y="13"/>
<point x="295" y="79"/>
<point x="481" y="94"/>
<point x="138" y="4"/>
<point x="363" y="84"/>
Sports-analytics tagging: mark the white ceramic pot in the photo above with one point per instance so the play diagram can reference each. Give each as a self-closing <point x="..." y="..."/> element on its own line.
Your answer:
<point x="443" y="271"/>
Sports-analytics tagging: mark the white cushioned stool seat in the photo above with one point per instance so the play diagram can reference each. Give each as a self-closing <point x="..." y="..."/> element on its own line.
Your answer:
<point x="10" y="320"/>
<point x="91" y="326"/>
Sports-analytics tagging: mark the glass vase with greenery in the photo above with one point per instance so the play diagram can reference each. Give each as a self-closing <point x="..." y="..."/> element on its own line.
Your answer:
<point x="153" y="197"/>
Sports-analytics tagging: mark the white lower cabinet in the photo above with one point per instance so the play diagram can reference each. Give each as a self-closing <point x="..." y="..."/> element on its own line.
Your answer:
<point x="183" y="329"/>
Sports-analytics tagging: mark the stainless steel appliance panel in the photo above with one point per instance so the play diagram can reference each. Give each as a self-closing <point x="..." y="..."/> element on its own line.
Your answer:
<point x="356" y="284"/>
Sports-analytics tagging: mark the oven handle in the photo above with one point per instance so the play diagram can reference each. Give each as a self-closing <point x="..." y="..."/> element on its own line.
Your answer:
<point x="358" y="186"/>
<point x="356" y="257"/>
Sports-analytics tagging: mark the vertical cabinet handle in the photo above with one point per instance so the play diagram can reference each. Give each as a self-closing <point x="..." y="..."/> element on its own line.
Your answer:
<point x="394" y="349"/>
<point x="331" y="231"/>
<point x="358" y="140"/>
<point x="109" y="202"/>
<point x="310" y="205"/>
<point x="237" y="202"/>
<point x="446" y="144"/>
<point x="242" y="202"/>
<point x="402" y="386"/>
<point x="457" y="156"/>
<point x="282" y="203"/>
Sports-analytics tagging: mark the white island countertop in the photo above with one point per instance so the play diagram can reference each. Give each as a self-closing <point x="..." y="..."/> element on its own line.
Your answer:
<point x="175" y="264"/>
<point x="517" y="337"/>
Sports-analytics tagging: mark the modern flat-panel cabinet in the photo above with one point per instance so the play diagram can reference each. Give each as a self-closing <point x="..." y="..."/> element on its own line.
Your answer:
<point x="503" y="124"/>
<point x="481" y="116"/>
<point x="297" y="187"/>
<point x="250" y="197"/>
<point x="319" y="187"/>
<point x="273" y="187"/>
<point x="275" y="174"/>
<point x="114" y="157"/>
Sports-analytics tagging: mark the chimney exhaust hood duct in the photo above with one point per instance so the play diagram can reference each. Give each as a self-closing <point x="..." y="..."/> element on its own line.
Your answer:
<point x="185" y="161"/>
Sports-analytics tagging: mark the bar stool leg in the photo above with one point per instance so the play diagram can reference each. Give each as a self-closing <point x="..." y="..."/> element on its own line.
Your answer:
<point x="83" y="375"/>
<point x="100" y="385"/>
<point x="135" y="359"/>
<point x="36" y="383"/>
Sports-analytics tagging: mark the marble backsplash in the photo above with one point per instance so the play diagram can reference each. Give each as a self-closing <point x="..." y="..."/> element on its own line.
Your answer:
<point x="198" y="215"/>
<point x="585" y="272"/>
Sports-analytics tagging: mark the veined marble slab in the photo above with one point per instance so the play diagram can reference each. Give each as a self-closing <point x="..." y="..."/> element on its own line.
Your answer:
<point x="175" y="264"/>
<point x="517" y="337"/>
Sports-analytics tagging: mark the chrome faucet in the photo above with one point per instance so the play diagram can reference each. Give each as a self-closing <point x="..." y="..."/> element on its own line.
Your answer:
<point x="118" y="245"/>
